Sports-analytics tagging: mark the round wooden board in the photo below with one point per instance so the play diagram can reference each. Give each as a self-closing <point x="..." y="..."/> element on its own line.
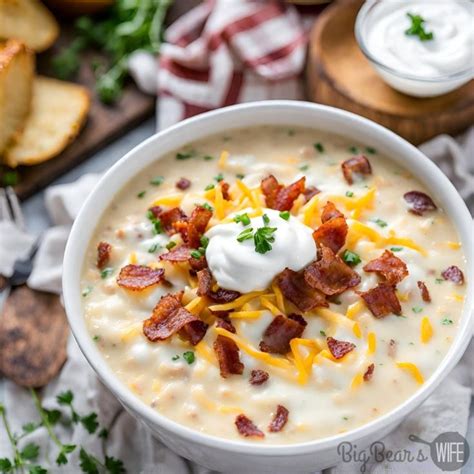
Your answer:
<point x="338" y="74"/>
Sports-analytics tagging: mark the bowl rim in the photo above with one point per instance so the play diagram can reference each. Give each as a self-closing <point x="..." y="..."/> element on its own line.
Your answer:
<point x="76" y="247"/>
<point x="362" y="15"/>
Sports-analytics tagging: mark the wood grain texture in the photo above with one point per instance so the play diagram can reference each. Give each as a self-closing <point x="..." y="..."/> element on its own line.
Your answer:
<point x="33" y="337"/>
<point x="338" y="74"/>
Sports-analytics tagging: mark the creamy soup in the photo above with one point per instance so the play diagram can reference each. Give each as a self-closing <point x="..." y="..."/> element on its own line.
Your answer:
<point x="274" y="285"/>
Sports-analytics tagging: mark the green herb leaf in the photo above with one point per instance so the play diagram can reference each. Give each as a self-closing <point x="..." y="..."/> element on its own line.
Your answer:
<point x="204" y="241"/>
<point x="353" y="149"/>
<point x="5" y="465"/>
<point x="114" y="466"/>
<point x="185" y="155"/>
<point x="53" y="416"/>
<point x="263" y="238"/>
<point x="105" y="273"/>
<point x="396" y="249"/>
<point x="103" y="433"/>
<point x="219" y="177"/>
<point x="438" y="281"/>
<point x="380" y="222"/>
<point x="322" y="333"/>
<point x="10" y="178"/>
<point x="240" y="176"/>
<point x="175" y="357"/>
<point x="157" y="181"/>
<point x="351" y="258"/>
<point x="208" y="157"/>
<point x="195" y="254"/>
<point x="37" y="470"/>
<point x="96" y="338"/>
<point x="189" y="357"/>
<point x="304" y="167"/>
<point x="417" y="309"/>
<point x="246" y="234"/>
<point x="61" y="459"/>
<point x="90" y="423"/>
<point x="30" y="427"/>
<point x="141" y="194"/>
<point x="87" y="463"/>
<point x="446" y="321"/>
<point x="171" y="244"/>
<point x="417" y="28"/>
<point x="266" y="219"/>
<point x="30" y="452"/>
<point x="209" y="187"/>
<point x="370" y="150"/>
<point x="65" y="398"/>
<point x="319" y="147"/>
<point x="205" y="205"/>
<point x="86" y="291"/>
<point x="153" y="248"/>
<point x="243" y="218"/>
<point x="285" y="215"/>
<point x="349" y="194"/>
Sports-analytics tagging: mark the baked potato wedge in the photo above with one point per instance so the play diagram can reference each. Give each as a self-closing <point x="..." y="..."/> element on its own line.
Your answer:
<point x="58" y="112"/>
<point x="17" y="68"/>
<point x="29" y="21"/>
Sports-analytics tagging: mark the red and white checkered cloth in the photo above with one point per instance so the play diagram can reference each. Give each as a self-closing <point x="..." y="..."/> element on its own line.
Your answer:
<point x="228" y="51"/>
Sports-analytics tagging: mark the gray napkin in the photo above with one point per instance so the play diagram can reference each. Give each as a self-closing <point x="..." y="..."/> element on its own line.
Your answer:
<point x="446" y="410"/>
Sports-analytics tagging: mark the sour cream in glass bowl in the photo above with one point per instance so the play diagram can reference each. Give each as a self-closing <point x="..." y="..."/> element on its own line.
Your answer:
<point x="423" y="48"/>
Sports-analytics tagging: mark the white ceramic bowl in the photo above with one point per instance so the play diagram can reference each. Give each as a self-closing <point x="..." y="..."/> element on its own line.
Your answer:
<point x="241" y="456"/>
<point x="409" y="84"/>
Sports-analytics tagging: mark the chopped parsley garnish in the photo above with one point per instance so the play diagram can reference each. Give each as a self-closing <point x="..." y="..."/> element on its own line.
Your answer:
<point x="240" y="176"/>
<point x="155" y="222"/>
<point x="345" y="418"/>
<point x="439" y="280"/>
<point x="353" y="149"/>
<point x="141" y="194"/>
<point x="285" y="215"/>
<point x="351" y="258"/>
<point x="349" y="194"/>
<point x="322" y="333"/>
<point x="417" y="28"/>
<point x="205" y="205"/>
<point x="175" y="357"/>
<point x="189" y="357"/>
<point x="266" y="220"/>
<point x="86" y="291"/>
<point x="219" y="177"/>
<point x="304" y="167"/>
<point x="380" y="222"/>
<point x="105" y="273"/>
<point x="446" y="321"/>
<point x="208" y="157"/>
<point x="246" y="234"/>
<point x="319" y="147"/>
<point x="170" y="244"/>
<point x="153" y="248"/>
<point x="263" y="238"/>
<point x="96" y="338"/>
<point x="204" y="241"/>
<point x="209" y="187"/>
<point x="370" y="150"/>
<point x="243" y="218"/>
<point x="157" y="180"/>
<point x="396" y="249"/>
<point x="185" y="155"/>
<point x="417" y="309"/>
<point x="195" y="254"/>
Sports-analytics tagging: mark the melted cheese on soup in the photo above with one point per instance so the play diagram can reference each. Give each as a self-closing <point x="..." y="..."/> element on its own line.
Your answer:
<point x="385" y="359"/>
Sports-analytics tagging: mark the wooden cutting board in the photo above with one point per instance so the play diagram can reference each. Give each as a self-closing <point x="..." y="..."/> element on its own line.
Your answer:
<point x="338" y="74"/>
<point x="104" y="123"/>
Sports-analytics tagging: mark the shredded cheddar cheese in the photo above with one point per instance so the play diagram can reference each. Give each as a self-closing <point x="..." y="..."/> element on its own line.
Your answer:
<point x="170" y="200"/>
<point x="246" y="314"/>
<point x="237" y="303"/>
<point x="205" y="352"/>
<point x="426" y="330"/>
<point x="413" y="370"/>
<point x="354" y="309"/>
<point x="223" y="159"/>
<point x="219" y="203"/>
<point x="310" y="211"/>
<point x="270" y="306"/>
<point x="356" y="330"/>
<point x="357" y="381"/>
<point x="371" y="343"/>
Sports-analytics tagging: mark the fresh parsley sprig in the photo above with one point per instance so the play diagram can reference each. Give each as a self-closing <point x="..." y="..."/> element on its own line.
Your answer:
<point x="263" y="237"/>
<point x="417" y="28"/>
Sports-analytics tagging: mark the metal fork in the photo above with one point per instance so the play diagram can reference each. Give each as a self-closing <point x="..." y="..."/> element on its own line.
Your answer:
<point x="10" y="210"/>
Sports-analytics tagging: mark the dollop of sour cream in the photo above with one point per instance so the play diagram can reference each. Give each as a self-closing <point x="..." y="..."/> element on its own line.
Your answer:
<point x="238" y="266"/>
<point x="449" y="51"/>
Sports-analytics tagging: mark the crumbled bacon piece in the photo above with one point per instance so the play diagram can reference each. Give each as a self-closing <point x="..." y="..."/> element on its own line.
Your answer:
<point x="220" y="295"/>
<point x="310" y="192"/>
<point x="425" y="294"/>
<point x="227" y="353"/>
<point x="258" y="377"/>
<point x="192" y="228"/>
<point x="225" y="323"/>
<point x="382" y="300"/>
<point x="279" y="420"/>
<point x="339" y="349"/>
<point x="168" y="218"/>
<point x="139" y="277"/>
<point x="332" y="233"/>
<point x="279" y="333"/>
<point x="103" y="254"/>
<point x="246" y="427"/>
<point x="392" y="348"/>
<point x="453" y="274"/>
<point x="225" y="190"/>
<point x="330" y="211"/>
<point x="280" y="197"/>
<point x="358" y="165"/>
<point x="294" y="288"/>
<point x="183" y="183"/>
<point x="419" y="202"/>
<point x="393" y="269"/>
<point x="169" y="317"/>
<point x="177" y="254"/>
<point x="330" y="274"/>
<point x="369" y="373"/>
<point x="298" y="318"/>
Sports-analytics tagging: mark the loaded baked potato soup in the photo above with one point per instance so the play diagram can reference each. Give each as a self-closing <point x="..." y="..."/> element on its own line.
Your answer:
<point x="275" y="285"/>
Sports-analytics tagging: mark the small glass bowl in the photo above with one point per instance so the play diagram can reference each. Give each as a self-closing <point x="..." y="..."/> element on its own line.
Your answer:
<point x="407" y="83"/>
